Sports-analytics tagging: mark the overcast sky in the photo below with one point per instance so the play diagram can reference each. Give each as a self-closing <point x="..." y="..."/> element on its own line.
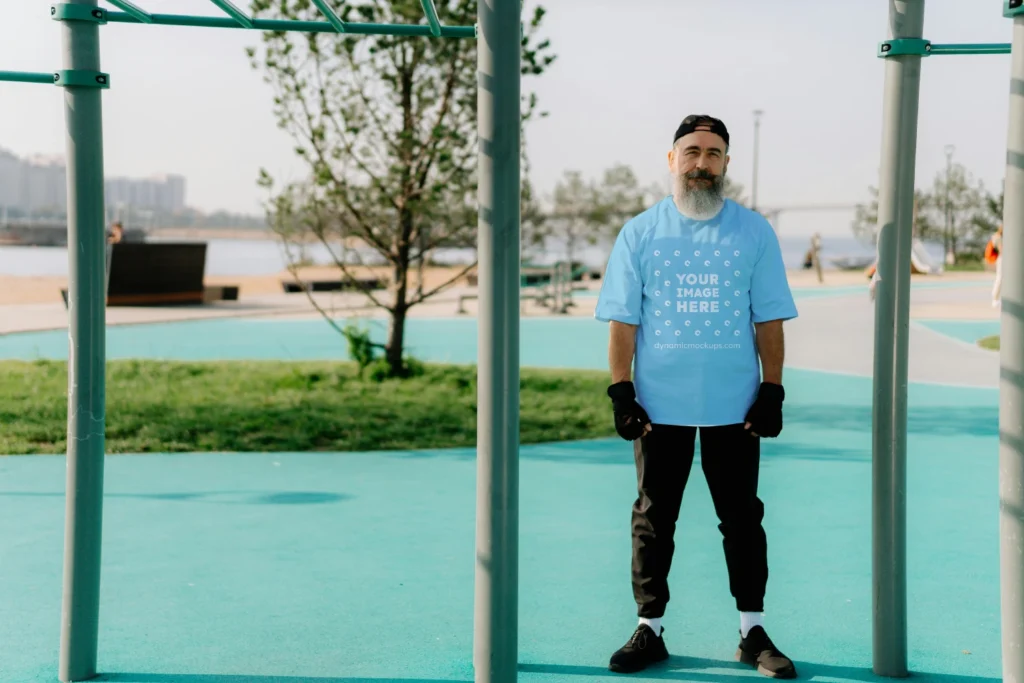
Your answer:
<point x="185" y="100"/>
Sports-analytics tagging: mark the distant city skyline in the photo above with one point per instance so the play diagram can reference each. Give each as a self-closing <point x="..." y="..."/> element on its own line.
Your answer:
<point x="810" y="66"/>
<point x="38" y="183"/>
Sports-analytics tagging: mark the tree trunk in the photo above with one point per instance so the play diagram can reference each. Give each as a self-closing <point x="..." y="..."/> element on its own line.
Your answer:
<point x="396" y="335"/>
<point x="421" y="265"/>
<point x="570" y="246"/>
<point x="952" y="236"/>
<point x="396" y="342"/>
<point x="400" y="286"/>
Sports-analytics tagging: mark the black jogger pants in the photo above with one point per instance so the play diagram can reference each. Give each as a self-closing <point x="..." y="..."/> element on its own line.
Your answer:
<point x="730" y="458"/>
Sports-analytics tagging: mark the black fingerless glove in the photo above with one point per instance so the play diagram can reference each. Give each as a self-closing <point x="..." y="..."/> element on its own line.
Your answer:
<point x="765" y="415"/>
<point x="630" y="416"/>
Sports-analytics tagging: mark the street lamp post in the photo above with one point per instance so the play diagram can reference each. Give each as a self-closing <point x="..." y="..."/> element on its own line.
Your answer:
<point x="950" y="256"/>
<point x="757" y="145"/>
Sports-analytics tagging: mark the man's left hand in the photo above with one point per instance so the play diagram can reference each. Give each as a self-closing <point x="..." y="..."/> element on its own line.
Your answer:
<point x="765" y="416"/>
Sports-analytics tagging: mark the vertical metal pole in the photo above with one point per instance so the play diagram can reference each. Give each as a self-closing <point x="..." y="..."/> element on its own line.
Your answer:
<point x="892" y="313"/>
<point x="1011" y="382"/>
<point x="495" y="652"/>
<point x="86" y="356"/>
<point x="757" y="154"/>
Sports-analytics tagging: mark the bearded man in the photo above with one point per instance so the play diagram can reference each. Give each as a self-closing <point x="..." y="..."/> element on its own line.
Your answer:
<point x="695" y="294"/>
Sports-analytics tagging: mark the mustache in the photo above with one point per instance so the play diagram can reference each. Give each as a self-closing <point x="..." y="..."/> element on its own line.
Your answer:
<point x="700" y="174"/>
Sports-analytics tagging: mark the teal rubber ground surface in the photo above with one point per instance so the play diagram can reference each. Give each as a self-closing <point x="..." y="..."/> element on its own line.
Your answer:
<point x="580" y="342"/>
<point x="815" y="292"/>
<point x="573" y="342"/>
<point x="969" y="331"/>
<point x="330" y="568"/>
<point x="333" y="568"/>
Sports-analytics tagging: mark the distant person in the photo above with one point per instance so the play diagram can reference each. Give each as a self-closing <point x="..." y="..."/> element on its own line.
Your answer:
<point x="115" y="234"/>
<point x="696" y="291"/>
<point x="997" y="252"/>
<point x="813" y="252"/>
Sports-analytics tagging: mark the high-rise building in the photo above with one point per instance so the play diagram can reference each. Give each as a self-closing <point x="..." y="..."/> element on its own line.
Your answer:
<point x="10" y="180"/>
<point x="39" y="184"/>
<point x="44" y="186"/>
<point x="163" y="192"/>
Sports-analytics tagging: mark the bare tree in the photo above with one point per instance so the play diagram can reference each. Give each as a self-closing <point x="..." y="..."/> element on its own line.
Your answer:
<point x="387" y="126"/>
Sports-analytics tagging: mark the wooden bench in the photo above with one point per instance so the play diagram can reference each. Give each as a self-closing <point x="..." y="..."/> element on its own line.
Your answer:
<point x="159" y="274"/>
<point x="356" y="285"/>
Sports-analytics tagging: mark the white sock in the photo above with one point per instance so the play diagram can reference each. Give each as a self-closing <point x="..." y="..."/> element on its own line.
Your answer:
<point x="655" y="624"/>
<point x="749" y="620"/>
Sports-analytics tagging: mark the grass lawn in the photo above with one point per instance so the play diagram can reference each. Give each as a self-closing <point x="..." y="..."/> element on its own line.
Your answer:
<point x="991" y="343"/>
<point x="156" y="406"/>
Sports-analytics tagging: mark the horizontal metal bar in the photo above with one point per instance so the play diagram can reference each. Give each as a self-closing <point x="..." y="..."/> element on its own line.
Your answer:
<point x="235" y="13"/>
<point x="26" y="77"/>
<point x="971" y="49"/>
<point x="431" y="13"/>
<point x="302" y="26"/>
<point x="331" y="15"/>
<point x="137" y="12"/>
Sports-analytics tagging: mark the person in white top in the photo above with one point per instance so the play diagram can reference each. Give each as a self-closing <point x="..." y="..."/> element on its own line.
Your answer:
<point x="997" y="244"/>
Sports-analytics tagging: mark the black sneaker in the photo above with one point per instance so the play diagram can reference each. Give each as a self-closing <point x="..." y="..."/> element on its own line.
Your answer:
<point x="643" y="649"/>
<point x="758" y="650"/>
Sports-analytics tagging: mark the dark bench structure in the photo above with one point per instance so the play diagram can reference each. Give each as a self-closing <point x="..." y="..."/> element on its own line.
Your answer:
<point x="159" y="274"/>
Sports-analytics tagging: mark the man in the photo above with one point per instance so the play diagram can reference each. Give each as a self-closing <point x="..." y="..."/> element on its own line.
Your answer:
<point x="696" y="291"/>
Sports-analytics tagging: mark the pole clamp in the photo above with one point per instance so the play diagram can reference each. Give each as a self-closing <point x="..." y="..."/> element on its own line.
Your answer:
<point x="66" y="11"/>
<point x="905" y="46"/>
<point x="1013" y="8"/>
<point x="522" y="30"/>
<point x="81" y="78"/>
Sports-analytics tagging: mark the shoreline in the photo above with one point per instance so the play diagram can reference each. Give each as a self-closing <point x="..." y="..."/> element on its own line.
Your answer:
<point x="43" y="289"/>
<point x="35" y="304"/>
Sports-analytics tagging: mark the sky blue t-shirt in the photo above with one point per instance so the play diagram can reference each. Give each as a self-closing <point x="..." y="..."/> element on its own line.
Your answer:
<point x="695" y="289"/>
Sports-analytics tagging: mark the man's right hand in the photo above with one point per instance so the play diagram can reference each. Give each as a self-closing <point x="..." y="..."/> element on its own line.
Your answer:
<point x="631" y="420"/>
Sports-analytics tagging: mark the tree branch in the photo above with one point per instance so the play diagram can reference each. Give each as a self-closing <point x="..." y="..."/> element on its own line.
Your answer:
<point x="419" y="298"/>
<point x="307" y="134"/>
<point x="346" y="143"/>
<point x="364" y="288"/>
<point x="430" y="151"/>
<point x="312" y="300"/>
<point x="372" y="108"/>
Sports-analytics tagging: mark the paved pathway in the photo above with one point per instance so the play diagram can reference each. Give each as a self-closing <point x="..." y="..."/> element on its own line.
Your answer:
<point x="836" y="334"/>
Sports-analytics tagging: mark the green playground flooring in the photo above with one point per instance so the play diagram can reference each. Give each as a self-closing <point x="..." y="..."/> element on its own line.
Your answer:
<point x="328" y="567"/>
<point x="582" y="342"/>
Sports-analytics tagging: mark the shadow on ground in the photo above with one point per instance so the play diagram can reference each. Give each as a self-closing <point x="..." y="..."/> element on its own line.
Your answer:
<point x="676" y="668"/>
<point x="808" y="434"/>
<point x="945" y="420"/>
<point x="245" y="678"/>
<point x="215" y="497"/>
<point x="711" y="671"/>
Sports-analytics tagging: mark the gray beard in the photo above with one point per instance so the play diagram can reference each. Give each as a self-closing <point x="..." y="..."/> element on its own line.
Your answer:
<point x="698" y="203"/>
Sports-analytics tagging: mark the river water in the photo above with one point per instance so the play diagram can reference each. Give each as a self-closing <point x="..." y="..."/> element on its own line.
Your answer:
<point x="265" y="257"/>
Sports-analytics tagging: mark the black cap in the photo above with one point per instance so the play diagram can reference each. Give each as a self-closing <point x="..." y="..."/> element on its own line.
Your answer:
<point x="696" y="122"/>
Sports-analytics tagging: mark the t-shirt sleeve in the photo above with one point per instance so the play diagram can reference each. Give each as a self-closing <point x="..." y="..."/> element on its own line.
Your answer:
<point x="770" y="296"/>
<point x="621" y="293"/>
